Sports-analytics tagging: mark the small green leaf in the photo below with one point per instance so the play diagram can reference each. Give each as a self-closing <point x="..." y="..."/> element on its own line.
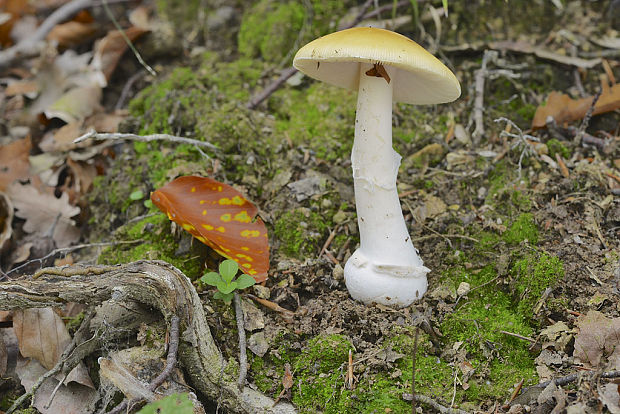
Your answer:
<point x="245" y="281"/>
<point x="445" y="6"/>
<point x="211" y="278"/>
<point x="228" y="269"/>
<point x="225" y="297"/>
<point x="136" y="195"/>
<point x="148" y="204"/>
<point x="226" y="287"/>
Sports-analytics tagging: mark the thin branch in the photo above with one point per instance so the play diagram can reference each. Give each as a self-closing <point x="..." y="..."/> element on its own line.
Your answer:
<point x="66" y="250"/>
<point x="243" y="357"/>
<point x="127" y="40"/>
<point x="171" y="360"/>
<point x="30" y="45"/>
<point x="171" y="363"/>
<point x="480" y="77"/>
<point x="145" y="138"/>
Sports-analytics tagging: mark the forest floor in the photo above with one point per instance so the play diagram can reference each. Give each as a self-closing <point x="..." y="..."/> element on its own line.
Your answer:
<point x="517" y="218"/>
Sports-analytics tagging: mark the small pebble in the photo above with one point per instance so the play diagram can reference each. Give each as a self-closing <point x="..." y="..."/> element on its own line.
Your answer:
<point x="463" y="289"/>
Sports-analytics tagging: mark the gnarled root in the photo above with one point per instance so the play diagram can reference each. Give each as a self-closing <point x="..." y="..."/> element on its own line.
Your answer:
<point x="155" y="284"/>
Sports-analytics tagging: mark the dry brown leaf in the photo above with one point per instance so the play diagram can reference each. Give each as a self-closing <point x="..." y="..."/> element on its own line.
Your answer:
<point x="598" y="336"/>
<point x="109" y="50"/>
<point x="43" y="211"/>
<point x="76" y="104"/>
<point x="71" y="398"/>
<point x="102" y="122"/>
<point x="24" y="87"/>
<point x="6" y="220"/>
<point x="565" y="109"/>
<point x="42" y="335"/>
<point x="15" y="9"/>
<point x="71" y="33"/>
<point x="84" y="174"/>
<point x="14" y="161"/>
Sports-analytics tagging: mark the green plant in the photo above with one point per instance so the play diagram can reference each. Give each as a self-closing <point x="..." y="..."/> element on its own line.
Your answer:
<point x="224" y="280"/>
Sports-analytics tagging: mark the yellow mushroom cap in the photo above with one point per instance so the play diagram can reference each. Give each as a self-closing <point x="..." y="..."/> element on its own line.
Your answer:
<point x="420" y="79"/>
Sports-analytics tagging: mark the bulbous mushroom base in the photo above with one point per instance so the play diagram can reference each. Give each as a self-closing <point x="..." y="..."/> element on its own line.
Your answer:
<point x="370" y="281"/>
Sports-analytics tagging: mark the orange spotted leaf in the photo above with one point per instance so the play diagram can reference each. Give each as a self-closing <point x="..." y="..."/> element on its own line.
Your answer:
<point x="220" y="217"/>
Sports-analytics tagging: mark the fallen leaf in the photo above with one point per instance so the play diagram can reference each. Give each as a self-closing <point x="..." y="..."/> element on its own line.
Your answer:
<point x="220" y="217"/>
<point x="30" y="88"/>
<point x="76" y="104"/>
<point x="14" y="162"/>
<point x="6" y="220"/>
<point x="43" y="211"/>
<point x="598" y="336"/>
<point x="42" y="335"/>
<point x="110" y="49"/>
<point x="71" y="398"/>
<point x="71" y="33"/>
<point x="610" y="396"/>
<point x="565" y="109"/>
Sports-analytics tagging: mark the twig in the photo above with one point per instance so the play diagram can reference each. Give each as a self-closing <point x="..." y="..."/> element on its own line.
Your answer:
<point x="171" y="362"/>
<point x="272" y="305"/>
<point x="415" y="355"/>
<point x="51" y="399"/>
<point x="127" y="40"/>
<point x="243" y="357"/>
<point x="573" y="377"/>
<point x="67" y="250"/>
<point x="525" y="338"/>
<point x="587" y="117"/>
<point x="516" y="391"/>
<point x="29" y="45"/>
<point x="171" y="359"/>
<point x="329" y="240"/>
<point x="145" y="138"/>
<point x="127" y="88"/>
<point x="480" y="77"/>
<point x="429" y="401"/>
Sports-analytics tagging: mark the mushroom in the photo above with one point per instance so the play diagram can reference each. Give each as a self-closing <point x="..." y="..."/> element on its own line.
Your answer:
<point x="383" y="67"/>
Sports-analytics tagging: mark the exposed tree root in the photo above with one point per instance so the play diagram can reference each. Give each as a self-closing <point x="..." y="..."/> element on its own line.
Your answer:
<point x="155" y="284"/>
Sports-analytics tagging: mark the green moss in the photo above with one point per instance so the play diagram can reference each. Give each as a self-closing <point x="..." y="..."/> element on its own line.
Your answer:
<point x="320" y="370"/>
<point x="321" y="118"/>
<point x="523" y="228"/>
<point x="555" y="146"/>
<point x="531" y="276"/>
<point x="300" y="232"/>
<point x="269" y="30"/>
<point x="156" y="243"/>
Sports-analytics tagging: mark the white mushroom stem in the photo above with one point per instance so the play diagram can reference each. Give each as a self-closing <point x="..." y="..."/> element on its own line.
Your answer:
<point x="386" y="268"/>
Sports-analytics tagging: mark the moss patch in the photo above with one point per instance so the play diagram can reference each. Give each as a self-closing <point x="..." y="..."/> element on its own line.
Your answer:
<point x="531" y="276"/>
<point x="300" y="232"/>
<point x="269" y="29"/>
<point x="523" y="228"/>
<point x="156" y="243"/>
